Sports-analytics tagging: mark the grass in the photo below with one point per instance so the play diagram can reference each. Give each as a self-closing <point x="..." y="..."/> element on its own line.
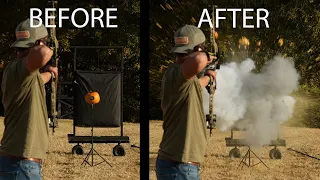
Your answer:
<point x="218" y="165"/>
<point x="62" y="164"/>
<point x="306" y="111"/>
<point x="292" y="166"/>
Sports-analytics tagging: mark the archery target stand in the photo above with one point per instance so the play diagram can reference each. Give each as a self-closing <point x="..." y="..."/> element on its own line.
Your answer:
<point x="109" y="86"/>
<point x="235" y="152"/>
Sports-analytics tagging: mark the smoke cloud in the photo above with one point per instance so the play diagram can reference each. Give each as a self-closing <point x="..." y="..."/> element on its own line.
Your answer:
<point x="255" y="102"/>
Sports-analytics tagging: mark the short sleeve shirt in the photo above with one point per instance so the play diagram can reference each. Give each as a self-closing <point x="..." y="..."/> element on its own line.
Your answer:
<point x="184" y="124"/>
<point x="26" y="131"/>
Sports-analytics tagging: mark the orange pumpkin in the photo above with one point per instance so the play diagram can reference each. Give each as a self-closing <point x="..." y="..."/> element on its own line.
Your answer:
<point x="92" y="98"/>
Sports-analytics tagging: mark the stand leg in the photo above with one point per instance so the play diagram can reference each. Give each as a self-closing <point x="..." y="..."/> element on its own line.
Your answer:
<point x="259" y="160"/>
<point x="92" y="144"/>
<point x="92" y="150"/>
<point x="243" y="161"/>
<point x="102" y="158"/>
<point x="87" y="158"/>
<point x="248" y="155"/>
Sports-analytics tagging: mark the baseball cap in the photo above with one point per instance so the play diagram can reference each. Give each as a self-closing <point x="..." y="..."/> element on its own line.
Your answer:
<point x="26" y="36"/>
<point x="186" y="38"/>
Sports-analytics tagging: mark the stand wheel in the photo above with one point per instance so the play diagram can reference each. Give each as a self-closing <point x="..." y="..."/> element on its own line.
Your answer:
<point x="77" y="149"/>
<point x="275" y="154"/>
<point x="118" y="150"/>
<point x="235" y="153"/>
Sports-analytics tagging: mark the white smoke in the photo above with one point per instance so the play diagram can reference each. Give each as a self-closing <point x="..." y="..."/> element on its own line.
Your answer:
<point x="256" y="102"/>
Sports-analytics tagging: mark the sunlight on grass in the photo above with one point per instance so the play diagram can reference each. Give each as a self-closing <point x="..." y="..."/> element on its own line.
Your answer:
<point x="61" y="164"/>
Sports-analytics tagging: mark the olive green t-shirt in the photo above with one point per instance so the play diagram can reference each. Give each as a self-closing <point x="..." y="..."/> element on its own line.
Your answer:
<point x="184" y="124"/>
<point x="26" y="132"/>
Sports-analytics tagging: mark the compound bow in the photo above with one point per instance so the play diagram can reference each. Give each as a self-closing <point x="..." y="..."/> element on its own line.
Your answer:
<point x="53" y="43"/>
<point x="213" y="66"/>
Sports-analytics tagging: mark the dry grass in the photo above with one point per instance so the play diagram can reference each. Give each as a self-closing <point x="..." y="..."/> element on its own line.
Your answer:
<point x="292" y="166"/>
<point x="306" y="111"/>
<point x="61" y="164"/>
<point x="219" y="166"/>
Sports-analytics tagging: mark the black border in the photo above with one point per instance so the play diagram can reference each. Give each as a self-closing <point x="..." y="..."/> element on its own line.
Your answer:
<point x="144" y="90"/>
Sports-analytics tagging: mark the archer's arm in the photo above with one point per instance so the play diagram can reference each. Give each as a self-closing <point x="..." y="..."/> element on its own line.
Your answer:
<point x="194" y="64"/>
<point x="46" y="76"/>
<point x="204" y="81"/>
<point x="38" y="57"/>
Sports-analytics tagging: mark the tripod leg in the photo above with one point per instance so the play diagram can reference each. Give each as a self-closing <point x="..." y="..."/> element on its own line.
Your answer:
<point x="243" y="161"/>
<point x="249" y="157"/>
<point x="104" y="160"/>
<point x="87" y="157"/>
<point x="259" y="159"/>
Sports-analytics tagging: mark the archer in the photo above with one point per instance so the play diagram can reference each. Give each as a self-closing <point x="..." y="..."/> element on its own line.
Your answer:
<point x="184" y="141"/>
<point x="26" y="136"/>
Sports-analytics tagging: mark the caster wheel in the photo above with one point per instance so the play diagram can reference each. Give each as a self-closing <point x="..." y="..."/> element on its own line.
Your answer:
<point x="77" y="149"/>
<point x="118" y="150"/>
<point x="275" y="154"/>
<point x="235" y="153"/>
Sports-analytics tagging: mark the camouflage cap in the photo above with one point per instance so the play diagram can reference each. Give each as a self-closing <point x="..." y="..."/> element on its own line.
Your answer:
<point x="26" y="36"/>
<point x="186" y="38"/>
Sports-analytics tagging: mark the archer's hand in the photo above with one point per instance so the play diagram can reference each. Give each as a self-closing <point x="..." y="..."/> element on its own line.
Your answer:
<point x="52" y="69"/>
<point x="211" y="73"/>
<point x="211" y="58"/>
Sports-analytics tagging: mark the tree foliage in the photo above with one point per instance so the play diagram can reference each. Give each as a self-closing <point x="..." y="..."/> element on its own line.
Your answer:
<point x="294" y="30"/>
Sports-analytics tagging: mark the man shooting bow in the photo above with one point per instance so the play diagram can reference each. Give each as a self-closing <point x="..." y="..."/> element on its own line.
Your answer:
<point x="26" y="135"/>
<point x="184" y="140"/>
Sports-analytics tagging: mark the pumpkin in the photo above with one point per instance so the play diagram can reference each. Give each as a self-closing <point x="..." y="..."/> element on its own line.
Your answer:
<point x="92" y="98"/>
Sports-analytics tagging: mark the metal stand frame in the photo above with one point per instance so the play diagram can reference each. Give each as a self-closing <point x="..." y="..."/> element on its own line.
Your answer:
<point x="92" y="150"/>
<point x="235" y="152"/>
<point x="248" y="156"/>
